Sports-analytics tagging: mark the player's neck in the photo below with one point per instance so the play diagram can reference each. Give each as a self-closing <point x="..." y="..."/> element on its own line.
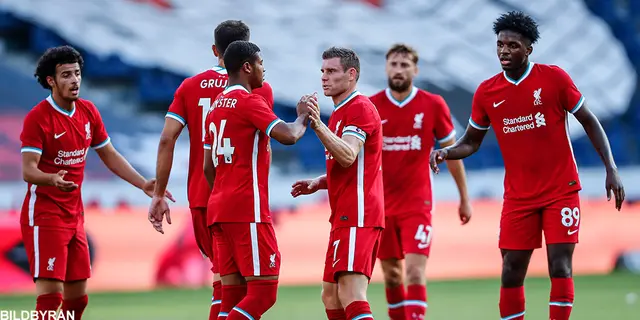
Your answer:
<point x="341" y="97"/>
<point x="239" y="82"/>
<point x="62" y="103"/>
<point x="221" y="63"/>
<point x="518" y="72"/>
<point x="401" y="95"/>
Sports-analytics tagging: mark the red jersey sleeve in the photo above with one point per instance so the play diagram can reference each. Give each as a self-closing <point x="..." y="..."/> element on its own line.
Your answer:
<point x="443" y="126"/>
<point x="208" y="137"/>
<point x="99" y="136"/>
<point x="479" y="118"/>
<point x="570" y="97"/>
<point x="360" y="122"/>
<point x="266" y="92"/>
<point x="177" y="110"/>
<point x="261" y="115"/>
<point x="32" y="136"/>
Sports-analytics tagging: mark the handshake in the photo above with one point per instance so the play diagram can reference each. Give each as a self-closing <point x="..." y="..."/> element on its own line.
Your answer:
<point x="309" y="108"/>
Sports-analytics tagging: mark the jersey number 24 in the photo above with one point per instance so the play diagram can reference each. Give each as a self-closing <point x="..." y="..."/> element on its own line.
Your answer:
<point x="221" y="146"/>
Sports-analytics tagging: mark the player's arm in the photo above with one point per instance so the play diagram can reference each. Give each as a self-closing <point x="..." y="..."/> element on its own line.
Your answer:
<point x="310" y="186"/>
<point x="289" y="133"/>
<point x="263" y="118"/>
<point x="209" y="168"/>
<point x="32" y="174"/>
<point x="120" y="166"/>
<point x="168" y="137"/>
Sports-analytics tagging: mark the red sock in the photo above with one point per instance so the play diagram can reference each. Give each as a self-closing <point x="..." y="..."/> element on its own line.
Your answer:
<point x="358" y="310"/>
<point x="561" y="298"/>
<point x="216" y="299"/>
<point x="395" y="301"/>
<point x="416" y="303"/>
<point x="512" y="303"/>
<point x="48" y="302"/>
<point x="231" y="295"/>
<point x="336" y="314"/>
<point x="75" y="307"/>
<point x="261" y="296"/>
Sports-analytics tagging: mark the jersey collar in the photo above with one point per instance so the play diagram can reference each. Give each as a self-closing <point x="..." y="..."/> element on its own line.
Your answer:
<point x="524" y="76"/>
<point x="405" y="101"/>
<point x="63" y="111"/>
<point x="235" y="87"/>
<point x="219" y="69"/>
<point x="347" y="99"/>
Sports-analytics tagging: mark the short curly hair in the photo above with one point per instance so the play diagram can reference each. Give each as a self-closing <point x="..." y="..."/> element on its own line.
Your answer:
<point x="519" y="22"/>
<point x="53" y="57"/>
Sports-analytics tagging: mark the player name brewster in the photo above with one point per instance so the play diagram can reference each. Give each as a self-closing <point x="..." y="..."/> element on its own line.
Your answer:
<point x="77" y="156"/>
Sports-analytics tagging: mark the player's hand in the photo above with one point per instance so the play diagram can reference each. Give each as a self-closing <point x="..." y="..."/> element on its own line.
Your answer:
<point x="150" y="185"/>
<point x="314" y="112"/>
<point x="57" y="180"/>
<point x="613" y="184"/>
<point x="465" y="212"/>
<point x="159" y="209"/>
<point x="302" y="187"/>
<point x="437" y="157"/>
<point x="301" y="107"/>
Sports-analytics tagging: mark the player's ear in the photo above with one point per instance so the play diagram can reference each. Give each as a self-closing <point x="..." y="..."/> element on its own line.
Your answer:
<point x="529" y="50"/>
<point x="215" y="51"/>
<point x="51" y="81"/>
<point x="353" y="74"/>
<point x="247" y="67"/>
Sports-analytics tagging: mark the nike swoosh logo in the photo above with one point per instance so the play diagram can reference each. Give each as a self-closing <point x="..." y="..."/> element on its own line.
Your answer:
<point x="422" y="245"/>
<point x="570" y="232"/>
<point x="495" y="105"/>
<point x="384" y="121"/>
<point x="56" y="136"/>
<point x="334" y="263"/>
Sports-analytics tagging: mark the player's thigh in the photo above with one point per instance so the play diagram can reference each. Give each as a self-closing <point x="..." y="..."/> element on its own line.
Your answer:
<point x="255" y="248"/>
<point x="224" y="249"/>
<point x="561" y="219"/>
<point x="390" y="245"/>
<point x="78" y="258"/>
<point x="354" y="250"/>
<point x="416" y="233"/>
<point x="520" y="227"/>
<point x="47" y="251"/>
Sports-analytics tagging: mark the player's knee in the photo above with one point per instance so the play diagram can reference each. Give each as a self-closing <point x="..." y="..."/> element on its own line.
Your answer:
<point x="513" y="273"/>
<point x="330" y="298"/>
<point x="48" y="286"/>
<point x="560" y="268"/>
<point x="392" y="271"/>
<point x="416" y="274"/>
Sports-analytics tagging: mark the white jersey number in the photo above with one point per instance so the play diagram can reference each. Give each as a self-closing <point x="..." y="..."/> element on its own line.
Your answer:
<point x="222" y="146"/>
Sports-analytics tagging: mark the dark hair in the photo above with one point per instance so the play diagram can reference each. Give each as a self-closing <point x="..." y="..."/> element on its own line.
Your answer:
<point x="228" y="32"/>
<point x="238" y="53"/>
<point x="53" y="57"/>
<point x="348" y="58"/>
<point x="519" y="22"/>
<point x="403" y="49"/>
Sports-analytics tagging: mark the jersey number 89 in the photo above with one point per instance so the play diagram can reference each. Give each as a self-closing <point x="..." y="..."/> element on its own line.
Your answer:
<point x="221" y="146"/>
<point x="570" y="217"/>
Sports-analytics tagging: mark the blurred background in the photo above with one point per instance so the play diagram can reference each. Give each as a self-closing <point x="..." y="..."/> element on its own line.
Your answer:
<point x="137" y="52"/>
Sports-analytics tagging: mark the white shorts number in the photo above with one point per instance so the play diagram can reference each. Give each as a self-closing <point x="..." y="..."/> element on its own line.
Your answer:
<point x="335" y="249"/>
<point x="570" y="217"/>
<point x="423" y="234"/>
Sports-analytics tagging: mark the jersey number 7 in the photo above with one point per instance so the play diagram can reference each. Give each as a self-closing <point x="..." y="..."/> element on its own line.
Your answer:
<point x="222" y="146"/>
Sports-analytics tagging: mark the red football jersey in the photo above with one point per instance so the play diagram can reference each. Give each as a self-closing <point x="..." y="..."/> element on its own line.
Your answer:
<point x="62" y="139"/>
<point x="355" y="193"/>
<point x="410" y="129"/>
<point x="191" y="103"/>
<point x="238" y="135"/>
<point x="530" y="119"/>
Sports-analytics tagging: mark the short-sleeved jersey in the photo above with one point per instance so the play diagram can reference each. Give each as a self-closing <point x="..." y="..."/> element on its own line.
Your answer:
<point x="238" y="129"/>
<point x="62" y="139"/>
<point x="355" y="192"/>
<point x="530" y="119"/>
<point x="410" y="129"/>
<point x="191" y="103"/>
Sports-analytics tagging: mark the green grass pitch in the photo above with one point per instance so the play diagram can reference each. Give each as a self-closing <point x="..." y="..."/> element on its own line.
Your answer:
<point x="611" y="297"/>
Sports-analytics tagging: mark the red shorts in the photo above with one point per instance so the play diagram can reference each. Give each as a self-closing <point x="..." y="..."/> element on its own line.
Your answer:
<point x="406" y="233"/>
<point x="521" y="225"/>
<point x="204" y="239"/>
<point x="57" y="253"/>
<point x="351" y="249"/>
<point x="248" y="248"/>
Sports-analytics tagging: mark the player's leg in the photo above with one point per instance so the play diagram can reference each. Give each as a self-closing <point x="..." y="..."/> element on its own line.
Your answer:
<point x="47" y="254"/>
<point x="205" y="243"/>
<point x="390" y="255"/>
<point x="561" y="222"/>
<point x="75" y="297"/>
<point x="234" y="286"/>
<point x="520" y="233"/>
<point x="332" y="306"/>
<point x="258" y="258"/>
<point x="416" y="233"/>
<point x="360" y="251"/>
